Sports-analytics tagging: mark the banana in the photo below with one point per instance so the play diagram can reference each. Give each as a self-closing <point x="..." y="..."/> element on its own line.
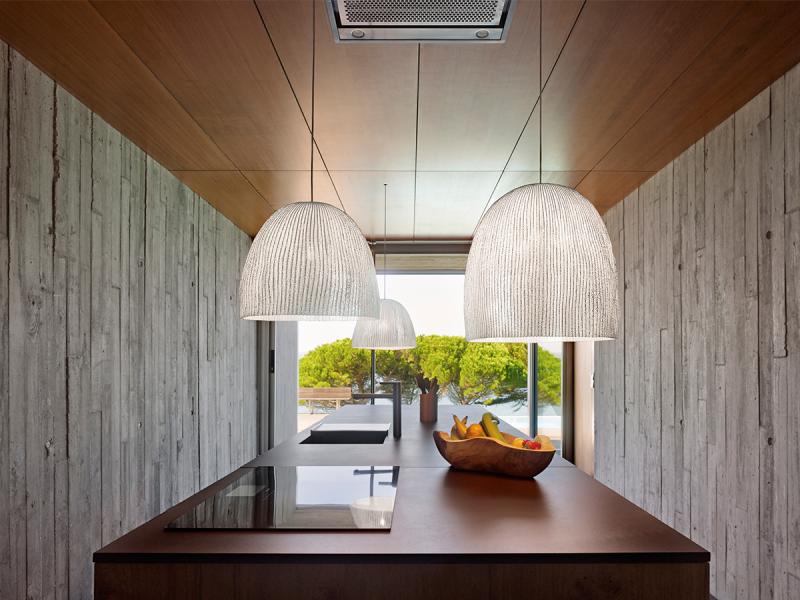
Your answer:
<point x="489" y="423"/>
<point x="460" y="428"/>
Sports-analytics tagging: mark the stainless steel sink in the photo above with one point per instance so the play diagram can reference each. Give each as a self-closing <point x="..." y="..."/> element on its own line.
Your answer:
<point x="348" y="433"/>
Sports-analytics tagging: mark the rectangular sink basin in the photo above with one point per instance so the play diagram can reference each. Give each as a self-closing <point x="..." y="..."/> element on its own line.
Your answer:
<point x="348" y="433"/>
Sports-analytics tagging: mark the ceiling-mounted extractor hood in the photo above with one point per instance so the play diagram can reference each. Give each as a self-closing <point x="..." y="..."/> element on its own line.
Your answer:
<point x="420" y="20"/>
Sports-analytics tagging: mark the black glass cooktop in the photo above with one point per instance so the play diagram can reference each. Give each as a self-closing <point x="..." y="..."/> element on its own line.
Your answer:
<point x="299" y="498"/>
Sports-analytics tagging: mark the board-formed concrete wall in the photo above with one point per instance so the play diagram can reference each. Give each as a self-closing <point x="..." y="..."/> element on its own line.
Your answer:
<point x="127" y="379"/>
<point x="697" y="403"/>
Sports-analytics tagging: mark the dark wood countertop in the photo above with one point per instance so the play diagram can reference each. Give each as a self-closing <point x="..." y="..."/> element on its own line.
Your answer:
<point x="441" y="515"/>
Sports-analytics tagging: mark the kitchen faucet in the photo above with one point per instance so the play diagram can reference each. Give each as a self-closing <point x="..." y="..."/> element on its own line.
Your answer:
<point x="394" y="396"/>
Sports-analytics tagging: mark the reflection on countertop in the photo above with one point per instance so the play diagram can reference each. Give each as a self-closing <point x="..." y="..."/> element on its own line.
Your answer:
<point x="299" y="497"/>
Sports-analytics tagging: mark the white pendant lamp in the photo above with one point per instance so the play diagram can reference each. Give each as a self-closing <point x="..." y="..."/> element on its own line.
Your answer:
<point x="394" y="329"/>
<point x="540" y="267"/>
<point x="309" y="261"/>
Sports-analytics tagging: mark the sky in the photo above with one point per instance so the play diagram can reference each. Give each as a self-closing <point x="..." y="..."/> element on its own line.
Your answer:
<point x="434" y="302"/>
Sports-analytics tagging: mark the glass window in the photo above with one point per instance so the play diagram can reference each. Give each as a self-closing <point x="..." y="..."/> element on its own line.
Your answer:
<point x="549" y="391"/>
<point x="492" y="374"/>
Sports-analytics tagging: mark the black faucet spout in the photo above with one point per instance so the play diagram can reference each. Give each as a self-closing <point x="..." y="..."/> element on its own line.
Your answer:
<point x="395" y="397"/>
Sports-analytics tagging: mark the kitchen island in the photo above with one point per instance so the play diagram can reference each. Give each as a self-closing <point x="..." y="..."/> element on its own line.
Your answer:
<point x="454" y="535"/>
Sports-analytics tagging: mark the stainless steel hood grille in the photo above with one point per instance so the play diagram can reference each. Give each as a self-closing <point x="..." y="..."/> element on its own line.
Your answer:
<point x="419" y="20"/>
<point x="361" y="13"/>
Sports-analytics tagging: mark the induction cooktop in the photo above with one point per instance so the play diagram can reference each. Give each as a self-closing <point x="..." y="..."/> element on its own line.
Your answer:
<point x="303" y="497"/>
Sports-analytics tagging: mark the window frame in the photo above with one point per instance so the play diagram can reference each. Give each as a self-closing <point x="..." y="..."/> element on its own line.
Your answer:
<point x="568" y="353"/>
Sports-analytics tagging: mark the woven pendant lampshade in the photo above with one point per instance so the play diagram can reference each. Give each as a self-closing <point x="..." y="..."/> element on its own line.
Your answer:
<point x="392" y="331"/>
<point x="309" y="262"/>
<point x="541" y="268"/>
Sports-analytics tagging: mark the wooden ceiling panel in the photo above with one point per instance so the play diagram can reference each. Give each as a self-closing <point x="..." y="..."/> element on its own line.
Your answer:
<point x="514" y="179"/>
<point x="449" y="204"/>
<point x="280" y="188"/>
<point x="199" y="86"/>
<point x="474" y="100"/>
<point x="363" y="190"/>
<point x="558" y="18"/>
<point x="365" y="94"/>
<point x="289" y="24"/>
<point x="621" y="56"/>
<point x="761" y="40"/>
<point x="74" y="45"/>
<point x="364" y="193"/>
<point x="216" y="59"/>
<point x="604" y="189"/>
<point x="231" y="194"/>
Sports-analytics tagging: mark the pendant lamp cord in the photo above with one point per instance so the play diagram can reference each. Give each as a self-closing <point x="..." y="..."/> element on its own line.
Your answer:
<point x="297" y="99"/>
<point x="541" y="89"/>
<point x="542" y="85"/>
<point x="416" y="148"/>
<point x="384" y="241"/>
<point x="313" y="82"/>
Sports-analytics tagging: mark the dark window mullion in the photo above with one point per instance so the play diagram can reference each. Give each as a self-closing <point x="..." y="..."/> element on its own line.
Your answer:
<point x="533" y="389"/>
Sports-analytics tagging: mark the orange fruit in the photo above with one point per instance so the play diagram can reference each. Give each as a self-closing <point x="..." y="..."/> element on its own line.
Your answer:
<point x="475" y="430"/>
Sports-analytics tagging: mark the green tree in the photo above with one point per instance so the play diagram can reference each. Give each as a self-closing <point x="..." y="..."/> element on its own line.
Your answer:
<point x="336" y="364"/>
<point x="397" y="365"/>
<point x="440" y="356"/>
<point x="480" y="372"/>
<point x="496" y="369"/>
<point x="549" y="378"/>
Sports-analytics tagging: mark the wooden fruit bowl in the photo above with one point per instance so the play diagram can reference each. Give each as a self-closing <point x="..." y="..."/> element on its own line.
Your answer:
<point x="489" y="455"/>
